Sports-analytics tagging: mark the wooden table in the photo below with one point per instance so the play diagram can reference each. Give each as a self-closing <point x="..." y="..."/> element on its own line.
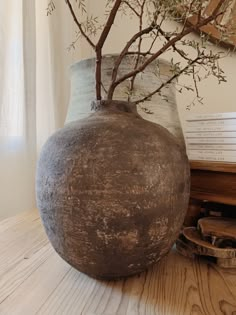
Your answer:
<point x="35" y="280"/>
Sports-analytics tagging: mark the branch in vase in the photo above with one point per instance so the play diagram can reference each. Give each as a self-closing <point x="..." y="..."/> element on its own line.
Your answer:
<point x="175" y="49"/>
<point x="100" y="44"/>
<point x="169" y="44"/>
<point x="108" y="24"/>
<point x="170" y="80"/>
<point x="189" y="9"/>
<point x="195" y="84"/>
<point x="123" y="53"/>
<point x="141" y="53"/>
<point x="153" y="41"/>
<point x="131" y="8"/>
<point x="139" y="49"/>
<point x="98" y="72"/>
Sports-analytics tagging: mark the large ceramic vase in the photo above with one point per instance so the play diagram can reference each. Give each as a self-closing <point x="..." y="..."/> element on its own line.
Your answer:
<point x="112" y="190"/>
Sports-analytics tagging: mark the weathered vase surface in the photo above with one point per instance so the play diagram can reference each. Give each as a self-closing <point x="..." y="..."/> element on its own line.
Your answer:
<point x="112" y="190"/>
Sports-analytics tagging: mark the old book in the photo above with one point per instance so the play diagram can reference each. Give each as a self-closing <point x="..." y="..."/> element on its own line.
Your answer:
<point x="205" y="129"/>
<point x="207" y="140"/>
<point x="212" y="134"/>
<point x="194" y="117"/>
<point x="211" y="157"/>
<point x="224" y="147"/>
<point x="212" y="152"/>
<point x="211" y="123"/>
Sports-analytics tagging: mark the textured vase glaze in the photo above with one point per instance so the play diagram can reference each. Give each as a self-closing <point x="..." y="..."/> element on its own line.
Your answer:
<point x="112" y="190"/>
<point x="160" y="109"/>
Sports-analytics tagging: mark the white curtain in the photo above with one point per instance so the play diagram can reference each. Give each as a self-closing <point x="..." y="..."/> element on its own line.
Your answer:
<point x="34" y="92"/>
<point x="17" y="106"/>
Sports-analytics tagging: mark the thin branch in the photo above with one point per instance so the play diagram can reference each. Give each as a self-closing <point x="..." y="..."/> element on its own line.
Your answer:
<point x="179" y="51"/>
<point x="139" y="48"/>
<point x="108" y="24"/>
<point x="124" y="52"/>
<point x="141" y="53"/>
<point x="100" y="44"/>
<point x="98" y="74"/>
<point x="217" y="8"/>
<point x="153" y="42"/>
<point x="189" y="10"/>
<point x="148" y="52"/>
<point x="131" y="8"/>
<point x="195" y="84"/>
<point x="199" y="14"/>
<point x="104" y="89"/>
<point x="79" y="24"/>
<point x="164" y="48"/>
<point x="147" y="97"/>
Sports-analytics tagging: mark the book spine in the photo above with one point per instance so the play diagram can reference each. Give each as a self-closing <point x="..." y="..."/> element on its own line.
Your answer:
<point x="210" y="140"/>
<point x="211" y="123"/>
<point x="192" y="129"/>
<point x="199" y="157"/>
<point x="212" y="134"/>
<point x="224" y="147"/>
<point x="216" y="153"/>
<point x="194" y="117"/>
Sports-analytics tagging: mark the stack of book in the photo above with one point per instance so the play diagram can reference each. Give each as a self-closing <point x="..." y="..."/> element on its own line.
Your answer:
<point x="211" y="137"/>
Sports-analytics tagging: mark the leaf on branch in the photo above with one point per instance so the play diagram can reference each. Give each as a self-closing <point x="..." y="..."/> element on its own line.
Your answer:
<point x="90" y="26"/>
<point x="82" y="6"/>
<point x="146" y="110"/>
<point x="50" y="8"/>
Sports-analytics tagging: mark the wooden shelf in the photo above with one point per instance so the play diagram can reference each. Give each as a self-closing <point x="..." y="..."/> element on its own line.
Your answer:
<point x="213" y="166"/>
<point x="213" y="181"/>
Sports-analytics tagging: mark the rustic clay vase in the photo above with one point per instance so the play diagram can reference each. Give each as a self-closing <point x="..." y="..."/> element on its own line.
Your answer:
<point x="112" y="190"/>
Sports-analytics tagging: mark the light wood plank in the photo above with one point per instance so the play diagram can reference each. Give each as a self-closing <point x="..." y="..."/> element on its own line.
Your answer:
<point x="44" y="284"/>
<point x="16" y="275"/>
<point x="20" y="241"/>
<point x="185" y="287"/>
<point x="36" y="288"/>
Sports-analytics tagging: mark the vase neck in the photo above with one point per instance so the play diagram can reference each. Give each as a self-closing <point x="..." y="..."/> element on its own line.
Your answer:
<point x="115" y="105"/>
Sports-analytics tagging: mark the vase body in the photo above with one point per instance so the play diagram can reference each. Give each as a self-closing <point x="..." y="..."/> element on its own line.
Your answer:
<point x="112" y="190"/>
<point x="160" y="109"/>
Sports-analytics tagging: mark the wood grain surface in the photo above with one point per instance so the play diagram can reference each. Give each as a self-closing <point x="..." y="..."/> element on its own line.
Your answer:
<point x="35" y="280"/>
<point x="224" y="228"/>
<point x="213" y="181"/>
<point x="213" y="186"/>
<point x="199" y="246"/>
<point x="213" y="166"/>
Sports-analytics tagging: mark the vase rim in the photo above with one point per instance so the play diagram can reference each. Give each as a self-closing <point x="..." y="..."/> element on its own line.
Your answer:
<point x="84" y="61"/>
